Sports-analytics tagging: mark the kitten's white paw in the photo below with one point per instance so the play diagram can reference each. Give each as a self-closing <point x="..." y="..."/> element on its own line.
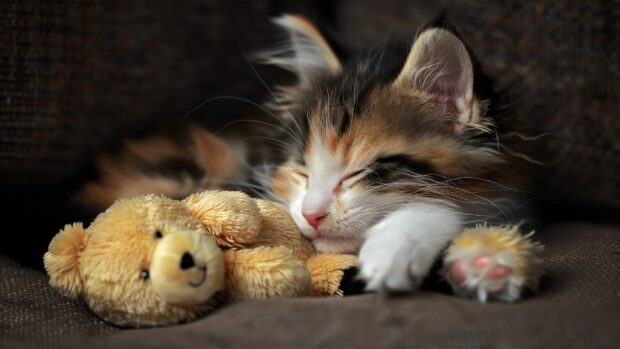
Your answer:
<point x="399" y="250"/>
<point x="393" y="264"/>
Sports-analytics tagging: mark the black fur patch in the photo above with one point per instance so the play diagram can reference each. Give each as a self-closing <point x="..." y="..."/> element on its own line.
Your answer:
<point x="396" y="167"/>
<point x="345" y="123"/>
<point x="349" y="284"/>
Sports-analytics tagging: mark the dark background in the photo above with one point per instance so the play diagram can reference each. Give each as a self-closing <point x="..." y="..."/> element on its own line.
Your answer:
<point x="76" y="76"/>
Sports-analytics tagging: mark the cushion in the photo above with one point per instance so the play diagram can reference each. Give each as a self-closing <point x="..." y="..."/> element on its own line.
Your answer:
<point x="578" y="306"/>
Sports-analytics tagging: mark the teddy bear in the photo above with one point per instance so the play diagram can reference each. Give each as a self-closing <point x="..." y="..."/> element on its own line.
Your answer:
<point x="153" y="261"/>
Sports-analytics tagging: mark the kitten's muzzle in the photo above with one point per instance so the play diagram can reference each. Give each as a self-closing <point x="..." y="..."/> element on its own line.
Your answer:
<point x="314" y="219"/>
<point x="316" y="205"/>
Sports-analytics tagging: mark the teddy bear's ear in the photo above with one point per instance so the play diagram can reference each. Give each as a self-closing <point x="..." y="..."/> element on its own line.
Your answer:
<point x="62" y="259"/>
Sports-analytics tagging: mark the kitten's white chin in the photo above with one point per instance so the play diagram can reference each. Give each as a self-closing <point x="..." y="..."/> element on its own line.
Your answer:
<point x="336" y="244"/>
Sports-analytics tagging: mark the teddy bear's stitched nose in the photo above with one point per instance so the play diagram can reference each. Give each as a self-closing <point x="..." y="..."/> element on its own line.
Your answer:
<point x="187" y="261"/>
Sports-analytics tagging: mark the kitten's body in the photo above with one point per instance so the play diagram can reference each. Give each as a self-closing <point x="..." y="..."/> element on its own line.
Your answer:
<point x="395" y="150"/>
<point x="391" y="152"/>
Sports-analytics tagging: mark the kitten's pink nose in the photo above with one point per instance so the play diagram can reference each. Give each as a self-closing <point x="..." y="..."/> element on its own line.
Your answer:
<point x="316" y="204"/>
<point x="315" y="219"/>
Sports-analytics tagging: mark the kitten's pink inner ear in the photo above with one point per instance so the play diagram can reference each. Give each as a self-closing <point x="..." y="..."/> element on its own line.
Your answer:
<point x="440" y="65"/>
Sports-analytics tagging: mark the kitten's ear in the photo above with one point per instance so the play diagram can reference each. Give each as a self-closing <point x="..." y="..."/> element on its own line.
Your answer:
<point x="306" y="53"/>
<point x="440" y="65"/>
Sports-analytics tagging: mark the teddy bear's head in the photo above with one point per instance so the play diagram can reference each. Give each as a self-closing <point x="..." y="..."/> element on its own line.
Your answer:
<point x="144" y="261"/>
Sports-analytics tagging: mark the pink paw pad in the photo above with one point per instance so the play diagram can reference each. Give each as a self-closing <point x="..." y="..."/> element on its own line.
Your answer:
<point x="459" y="270"/>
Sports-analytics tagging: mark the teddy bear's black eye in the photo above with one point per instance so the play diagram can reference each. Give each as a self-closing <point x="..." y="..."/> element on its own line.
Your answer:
<point x="158" y="235"/>
<point x="144" y="275"/>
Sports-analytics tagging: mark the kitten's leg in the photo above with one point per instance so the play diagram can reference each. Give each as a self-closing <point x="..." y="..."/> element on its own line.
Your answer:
<point x="492" y="263"/>
<point x="400" y="250"/>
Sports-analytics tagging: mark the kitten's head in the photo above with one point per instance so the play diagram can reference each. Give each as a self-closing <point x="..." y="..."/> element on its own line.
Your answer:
<point x="376" y="130"/>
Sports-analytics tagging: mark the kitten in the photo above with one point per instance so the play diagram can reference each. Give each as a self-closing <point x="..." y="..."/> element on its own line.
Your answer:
<point x="393" y="151"/>
<point x="390" y="153"/>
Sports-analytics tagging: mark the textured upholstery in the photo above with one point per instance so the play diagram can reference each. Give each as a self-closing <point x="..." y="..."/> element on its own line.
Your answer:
<point x="577" y="307"/>
<point x="75" y="76"/>
<point x="78" y="75"/>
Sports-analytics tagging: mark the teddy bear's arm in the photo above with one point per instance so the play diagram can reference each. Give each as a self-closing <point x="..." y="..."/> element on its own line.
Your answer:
<point x="265" y="272"/>
<point x="491" y="262"/>
<point x="232" y="218"/>
<point x="327" y="271"/>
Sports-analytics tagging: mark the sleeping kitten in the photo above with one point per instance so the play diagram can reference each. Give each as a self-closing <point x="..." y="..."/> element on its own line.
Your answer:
<point x="393" y="151"/>
<point x="389" y="153"/>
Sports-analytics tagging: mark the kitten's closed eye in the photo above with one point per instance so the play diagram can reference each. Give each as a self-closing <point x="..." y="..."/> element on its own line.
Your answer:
<point x="300" y="174"/>
<point x="300" y="177"/>
<point x="352" y="177"/>
<point x="347" y="179"/>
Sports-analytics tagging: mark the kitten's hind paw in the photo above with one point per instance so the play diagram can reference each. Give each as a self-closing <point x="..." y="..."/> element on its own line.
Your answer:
<point x="492" y="263"/>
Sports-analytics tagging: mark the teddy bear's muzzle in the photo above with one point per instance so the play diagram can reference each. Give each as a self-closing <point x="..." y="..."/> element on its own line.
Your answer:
<point x="187" y="268"/>
<point x="188" y="264"/>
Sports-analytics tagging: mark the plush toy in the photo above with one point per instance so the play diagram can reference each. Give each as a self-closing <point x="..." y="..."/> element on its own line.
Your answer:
<point x="151" y="260"/>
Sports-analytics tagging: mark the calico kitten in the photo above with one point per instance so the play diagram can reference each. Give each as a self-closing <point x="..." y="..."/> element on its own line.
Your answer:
<point x="390" y="153"/>
<point x="393" y="151"/>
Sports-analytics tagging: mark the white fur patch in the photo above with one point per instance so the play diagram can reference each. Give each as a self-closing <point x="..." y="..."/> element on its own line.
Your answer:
<point x="350" y="214"/>
<point x="400" y="250"/>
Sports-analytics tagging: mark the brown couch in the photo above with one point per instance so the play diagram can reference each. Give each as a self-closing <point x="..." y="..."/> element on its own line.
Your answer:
<point x="578" y="306"/>
<point x="76" y="77"/>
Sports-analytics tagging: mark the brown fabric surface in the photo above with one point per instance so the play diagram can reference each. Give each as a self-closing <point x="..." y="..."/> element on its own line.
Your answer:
<point x="76" y="75"/>
<point x="33" y="313"/>
<point x="578" y="306"/>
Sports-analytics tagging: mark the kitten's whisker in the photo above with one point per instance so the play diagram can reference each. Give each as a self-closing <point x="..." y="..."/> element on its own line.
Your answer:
<point x="483" y="180"/>
<point x="245" y="100"/>
<point x="275" y="96"/>
<point x="275" y="141"/>
<point x="523" y="156"/>
<point x="227" y="97"/>
<point x="259" y="122"/>
<point x="528" y="138"/>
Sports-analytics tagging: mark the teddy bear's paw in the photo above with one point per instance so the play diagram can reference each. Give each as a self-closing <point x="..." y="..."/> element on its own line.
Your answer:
<point x="492" y="263"/>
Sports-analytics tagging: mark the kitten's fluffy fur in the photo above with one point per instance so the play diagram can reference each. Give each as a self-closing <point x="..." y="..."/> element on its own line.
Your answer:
<point x="395" y="149"/>
<point x="389" y="152"/>
<point x="175" y="164"/>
